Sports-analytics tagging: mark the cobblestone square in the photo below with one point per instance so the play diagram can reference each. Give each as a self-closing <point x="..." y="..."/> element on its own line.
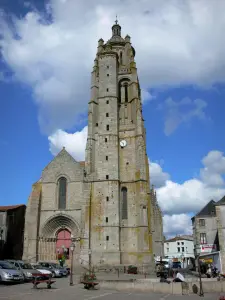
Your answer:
<point x="61" y="290"/>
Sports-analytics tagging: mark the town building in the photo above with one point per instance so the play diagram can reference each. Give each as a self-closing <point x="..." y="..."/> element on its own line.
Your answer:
<point x="103" y="203"/>
<point x="180" y="249"/>
<point x="205" y="232"/>
<point x="220" y="215"/>
<point x="11" y="231"/>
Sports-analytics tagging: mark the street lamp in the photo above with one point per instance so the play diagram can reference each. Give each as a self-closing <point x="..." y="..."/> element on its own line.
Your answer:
<point x="201" y="293"/>
<point x="89" y="260"/>
<point x="72" y="248"/>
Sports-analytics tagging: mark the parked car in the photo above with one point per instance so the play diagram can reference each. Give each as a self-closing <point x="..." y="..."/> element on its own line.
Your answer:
<point x="42" y="269"/>
<point x="56" y="269"/>
<point x="67" y="269"/>
<point x="26" y="268"/>
<point x="176" y="265"/>
<point x="9" y="273"/>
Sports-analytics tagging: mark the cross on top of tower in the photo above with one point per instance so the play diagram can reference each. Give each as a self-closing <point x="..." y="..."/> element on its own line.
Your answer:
<point x="116" y="29"/>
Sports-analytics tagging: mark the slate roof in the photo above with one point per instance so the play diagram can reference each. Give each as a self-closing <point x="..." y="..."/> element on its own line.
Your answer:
<point x="207" y="210"/>
<point x="221" y="202"/>
<point x="9" y="207"/>
<point x="180" y="238"/>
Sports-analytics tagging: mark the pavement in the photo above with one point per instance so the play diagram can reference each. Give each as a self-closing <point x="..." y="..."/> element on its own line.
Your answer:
<point x="61" y="290"/>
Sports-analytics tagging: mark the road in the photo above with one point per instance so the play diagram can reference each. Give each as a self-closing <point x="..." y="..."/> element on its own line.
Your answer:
<point x="61" y="290"/>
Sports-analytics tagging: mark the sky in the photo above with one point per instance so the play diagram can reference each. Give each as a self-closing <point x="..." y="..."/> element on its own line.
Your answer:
<point x="47" y="50"/>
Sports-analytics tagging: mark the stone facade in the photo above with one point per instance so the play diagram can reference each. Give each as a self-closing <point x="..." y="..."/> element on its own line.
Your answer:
<point x="205" y="228"/>
<point x="157" y="226"/>
<point x="220" y="214"/>
<point x="109" y="204"/>
<point x="209" y="232"/>
<point x="12" y="231"/>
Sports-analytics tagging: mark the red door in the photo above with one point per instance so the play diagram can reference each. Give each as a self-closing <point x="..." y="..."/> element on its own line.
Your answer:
<point x="63" y="242"/>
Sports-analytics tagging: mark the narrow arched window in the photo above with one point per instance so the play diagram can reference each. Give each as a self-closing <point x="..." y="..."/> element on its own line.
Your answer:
<point x="119" y="91"/>
<point x="124" y="203"/>
<point x="121" y="58"/>
<point x="62" y="185"/>
<point x="126" y="92"/>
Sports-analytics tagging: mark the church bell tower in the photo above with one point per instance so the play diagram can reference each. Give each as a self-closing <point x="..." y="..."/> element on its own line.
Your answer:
<point x="116" y="162"/>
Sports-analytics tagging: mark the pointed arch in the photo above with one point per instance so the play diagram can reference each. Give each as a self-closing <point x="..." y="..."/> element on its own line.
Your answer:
<point x="59" y="222"/>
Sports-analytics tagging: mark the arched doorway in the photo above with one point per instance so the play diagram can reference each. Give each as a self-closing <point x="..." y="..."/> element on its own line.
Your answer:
<point x="63" y="241"/>
<point x="56" y="234"/>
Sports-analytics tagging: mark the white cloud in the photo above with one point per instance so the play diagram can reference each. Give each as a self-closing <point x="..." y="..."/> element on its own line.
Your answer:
<point x="179" y="200"/>
<point x="146" y="96"/>
<point x="177" y="224"/>
<point x="214" y="169"/>
<point x="73" y="142"/>
<point x="158" y="177"/>
<point x="193" y="194"/>
<point x="175" y="44"/>
<point x="183" y="111"/>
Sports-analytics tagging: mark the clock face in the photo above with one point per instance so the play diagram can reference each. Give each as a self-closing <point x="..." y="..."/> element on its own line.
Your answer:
<point x="123" y="143"/>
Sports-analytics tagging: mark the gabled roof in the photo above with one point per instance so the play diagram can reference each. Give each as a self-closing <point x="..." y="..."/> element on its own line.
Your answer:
<point x="10" y="207"/>
<point x="207" y="210"/>
<point x="180" y="238"/>
<point x="64" y="153"/>
<point x="221" y="202"/>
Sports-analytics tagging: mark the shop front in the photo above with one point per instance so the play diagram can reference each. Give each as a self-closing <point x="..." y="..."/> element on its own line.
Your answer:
<point x="212" y="258"/>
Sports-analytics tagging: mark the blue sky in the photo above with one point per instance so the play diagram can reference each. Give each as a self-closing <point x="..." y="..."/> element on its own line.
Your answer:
<point x="184" y="107"/>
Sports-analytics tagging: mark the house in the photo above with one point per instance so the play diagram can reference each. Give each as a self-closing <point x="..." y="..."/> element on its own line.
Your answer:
<point x="205" y="232"/>
<point x="220" y="215"/>
<point x="11" y="231"/>
<point x="180" y="248"/>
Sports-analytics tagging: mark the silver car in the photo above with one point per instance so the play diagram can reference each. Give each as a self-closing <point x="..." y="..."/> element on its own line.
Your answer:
<point x="56" y="269"/>
<point x="9" y="273"/>
<point x="26" y="268"/>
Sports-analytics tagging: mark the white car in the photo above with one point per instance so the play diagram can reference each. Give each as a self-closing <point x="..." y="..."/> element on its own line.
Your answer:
<point x="42" y="269"/>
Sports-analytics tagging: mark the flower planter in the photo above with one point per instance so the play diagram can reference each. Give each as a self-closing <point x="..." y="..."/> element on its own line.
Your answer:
<point x="89" y="281"/>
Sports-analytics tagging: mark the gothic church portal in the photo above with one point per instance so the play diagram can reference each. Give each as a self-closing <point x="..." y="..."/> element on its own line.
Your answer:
<point x="105" y="201"/>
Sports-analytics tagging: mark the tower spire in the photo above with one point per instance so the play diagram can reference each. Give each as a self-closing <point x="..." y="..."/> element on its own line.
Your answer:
<point x="116" y="22"/>
<point x="116" y="29"/>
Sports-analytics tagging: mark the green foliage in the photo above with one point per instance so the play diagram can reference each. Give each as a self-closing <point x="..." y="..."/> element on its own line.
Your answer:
<point x="61" y="259"/>
<point x="89" y="277"/>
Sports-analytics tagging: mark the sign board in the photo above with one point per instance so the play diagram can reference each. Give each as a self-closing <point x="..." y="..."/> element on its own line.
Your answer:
<point x="208" y="248"/>
<point x="207" y="260"/>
